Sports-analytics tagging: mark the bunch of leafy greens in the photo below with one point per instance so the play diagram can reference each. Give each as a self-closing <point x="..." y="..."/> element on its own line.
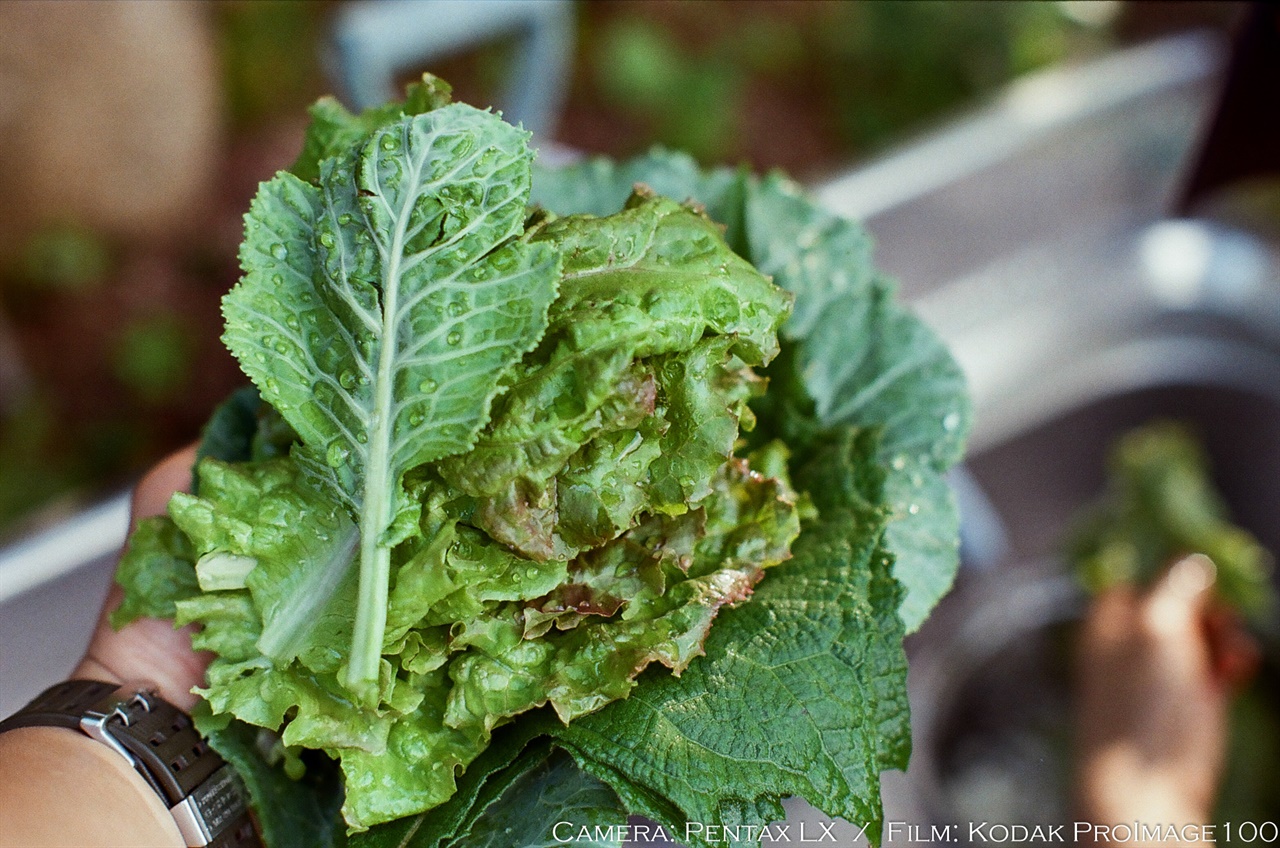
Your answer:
<point x="500" y="458"/>
<point x="1160" y="504"/>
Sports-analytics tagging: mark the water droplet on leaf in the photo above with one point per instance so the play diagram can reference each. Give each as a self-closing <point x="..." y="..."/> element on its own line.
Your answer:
<point x="337" y="455"/>
<point x="279" y="251"/>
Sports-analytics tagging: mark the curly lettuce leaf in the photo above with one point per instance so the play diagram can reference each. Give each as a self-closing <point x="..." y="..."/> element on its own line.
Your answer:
<point x="626" y="407"/>
<point x="850" y="355"/>
<point x="295" y="810"/>
<point x="802" y="691"/>
<point x="378" y="312"/>
<point x="156" y="570"/>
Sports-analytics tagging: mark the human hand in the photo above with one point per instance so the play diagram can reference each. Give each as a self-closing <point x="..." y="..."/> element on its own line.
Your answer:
<point x="1155" y="676"/>
<point x="149" y="650"/>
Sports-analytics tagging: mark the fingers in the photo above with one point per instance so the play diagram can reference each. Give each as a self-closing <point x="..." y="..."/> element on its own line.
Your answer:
<point x="1184" y="601"/>
<point x="1110" y="623"/>
<point x="1190" y="578"/>
<point x="1151" y="716"/>
<point x="1178" y="602"/>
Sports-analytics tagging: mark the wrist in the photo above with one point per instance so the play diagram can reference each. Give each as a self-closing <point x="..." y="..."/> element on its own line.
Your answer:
<point x="43" y="768"/>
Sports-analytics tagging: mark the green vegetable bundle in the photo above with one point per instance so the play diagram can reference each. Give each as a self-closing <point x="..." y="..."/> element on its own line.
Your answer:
<point x="1160" y="504"/>
<point x="509" y="446"/>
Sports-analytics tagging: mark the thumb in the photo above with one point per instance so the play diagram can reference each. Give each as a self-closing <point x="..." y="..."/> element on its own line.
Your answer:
<point x="1182" y="596"/>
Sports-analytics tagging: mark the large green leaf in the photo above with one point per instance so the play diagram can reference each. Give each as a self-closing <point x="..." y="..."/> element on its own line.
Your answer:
<point x="534" y="810"/>
<point x="379" y="311"/>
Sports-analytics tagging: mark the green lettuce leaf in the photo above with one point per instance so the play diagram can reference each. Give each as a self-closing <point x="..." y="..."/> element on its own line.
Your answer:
<point x="156" y="570"/>
<point x="378" y="312"/>
<point x="510" y="755"/>
<point x="333" y="130"/>
<point x="298" y="810"/>
<point x="851" y="355"/>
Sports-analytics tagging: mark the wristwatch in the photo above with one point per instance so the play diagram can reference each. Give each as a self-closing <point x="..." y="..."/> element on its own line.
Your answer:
<point x="201" y="790"/>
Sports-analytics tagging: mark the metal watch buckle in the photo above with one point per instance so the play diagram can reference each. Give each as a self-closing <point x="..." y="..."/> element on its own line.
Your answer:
<point x="117" y="705"/>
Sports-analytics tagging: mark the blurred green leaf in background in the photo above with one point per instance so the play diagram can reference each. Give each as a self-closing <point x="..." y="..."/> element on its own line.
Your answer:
<point x="806" y="86"/>
<point x="153" y="357"/>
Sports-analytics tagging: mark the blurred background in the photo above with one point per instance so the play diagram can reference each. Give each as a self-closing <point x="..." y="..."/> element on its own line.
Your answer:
<point x="132" y="136"/>
<point x="1081" y="197"/>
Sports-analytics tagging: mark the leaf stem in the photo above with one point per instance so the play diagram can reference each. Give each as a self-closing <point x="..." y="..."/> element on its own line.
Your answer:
<point x="361" y="677"/>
